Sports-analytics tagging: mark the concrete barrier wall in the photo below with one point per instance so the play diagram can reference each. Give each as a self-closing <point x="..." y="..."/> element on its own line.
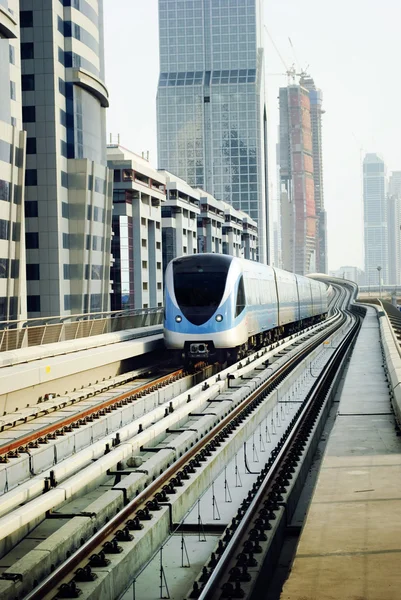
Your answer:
<point x="393" y="362"/>
<point x="23" y="383"/>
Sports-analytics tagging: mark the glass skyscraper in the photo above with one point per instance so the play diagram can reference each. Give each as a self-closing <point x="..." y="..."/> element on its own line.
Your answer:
<point x="375" y="220"/>
<point x="211" y="114"/>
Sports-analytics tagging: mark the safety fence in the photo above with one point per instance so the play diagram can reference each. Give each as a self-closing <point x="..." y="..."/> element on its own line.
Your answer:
<point x="40" y="331"/>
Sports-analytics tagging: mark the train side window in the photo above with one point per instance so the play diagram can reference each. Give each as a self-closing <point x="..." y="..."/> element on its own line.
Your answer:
<point x="240" y="297"/>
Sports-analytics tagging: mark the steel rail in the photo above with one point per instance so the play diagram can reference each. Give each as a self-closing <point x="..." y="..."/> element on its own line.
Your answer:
<point x="221" y="570"/>
<point x="65" y="422"/>
<point x="95" y="543"/>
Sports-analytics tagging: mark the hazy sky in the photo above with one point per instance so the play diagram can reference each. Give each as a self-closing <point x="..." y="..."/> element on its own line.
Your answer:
<point x="353" y="49"/>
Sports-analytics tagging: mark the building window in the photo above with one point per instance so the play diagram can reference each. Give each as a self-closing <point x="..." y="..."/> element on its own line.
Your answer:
<point x="4" y="229"/>
<point x="26" y="18"/>
<point x="13" y="121"/>
<point x="158" y="245"/>
<point x="16" y="232"/>
<point x="31" y="208"/>
<point x="19" y="157"/>
<point x="100" y="185"/>
<point x="65" y="210"/>
<point x="66" y="241"/>
<point x="27" y="50"/>
<point x="14" y="268"/>
<point x="3" y="268"/>
<point x="28" y="83"/>
<point x="145" y="286"/>
<point x="28" y="114"/>
<point x="128" y="175"/>
<point x="4" y="190"/>
<point x="144" y="244"/>
<point x="31" y="177"/>
<point x="13" y="93"/>
<point x="157" y="224"/>
<point x="11" y="50"/>
<point x="64" y="179"/>
<point x="159" y="285"/>
<point x="61" y="86"/>
<point x="64" y="149"/>
<point x="117" y="176"/>
<point x="145" y="306"/>
<point x="144" y="264"/>
<point x="143" y="221"/>
<point x="31" y="240"/>
<point x="158" y="266"/>
<point x="97" y="272"/>
<point x="32" y="272"/>
<point x="33" y="303"/>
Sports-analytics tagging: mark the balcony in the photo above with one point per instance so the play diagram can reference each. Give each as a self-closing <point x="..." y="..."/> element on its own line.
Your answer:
<point x="8" y="24"/>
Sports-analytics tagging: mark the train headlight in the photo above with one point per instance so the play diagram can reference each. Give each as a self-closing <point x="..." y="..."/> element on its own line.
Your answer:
<point x="219" y="318"/>
<point x="178" y="319"/>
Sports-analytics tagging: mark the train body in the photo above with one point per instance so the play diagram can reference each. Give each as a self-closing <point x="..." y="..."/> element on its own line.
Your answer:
<point x="218" y="307"/>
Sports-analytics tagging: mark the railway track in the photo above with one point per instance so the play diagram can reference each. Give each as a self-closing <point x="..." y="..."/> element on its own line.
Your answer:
<point x="247" y="542"/>
<point x="61" y="425"/>
<point x="125" y="532"/>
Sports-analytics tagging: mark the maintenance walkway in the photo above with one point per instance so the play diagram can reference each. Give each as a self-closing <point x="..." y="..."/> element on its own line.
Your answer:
<point x="350" y="547"/>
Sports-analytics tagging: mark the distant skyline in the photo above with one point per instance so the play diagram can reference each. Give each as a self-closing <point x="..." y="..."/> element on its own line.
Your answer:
<point x="352" y="53"/>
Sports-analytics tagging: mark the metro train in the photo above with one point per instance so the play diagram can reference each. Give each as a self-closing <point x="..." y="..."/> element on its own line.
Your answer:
<point x="217" y="307"/>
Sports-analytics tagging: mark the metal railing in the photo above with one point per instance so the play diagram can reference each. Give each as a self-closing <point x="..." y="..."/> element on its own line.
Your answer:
<point x="48" y="330"/>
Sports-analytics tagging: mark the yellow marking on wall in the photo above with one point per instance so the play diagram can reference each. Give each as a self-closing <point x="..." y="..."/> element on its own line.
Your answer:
<point x="47" y="369"/>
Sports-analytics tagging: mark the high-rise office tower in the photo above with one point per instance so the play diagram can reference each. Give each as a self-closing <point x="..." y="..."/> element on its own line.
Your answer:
<point x="298" y="214"/>
<point x="316" y="112"/>
<point x="68" y="190"/>
<point x="211" y="113"/>
<point x="393" y="228"/>
<point x="375" y="220"/>
<point x="12" y="164"/>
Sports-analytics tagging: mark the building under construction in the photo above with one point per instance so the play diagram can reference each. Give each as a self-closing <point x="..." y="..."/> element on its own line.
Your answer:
<point x="299" y="231"/>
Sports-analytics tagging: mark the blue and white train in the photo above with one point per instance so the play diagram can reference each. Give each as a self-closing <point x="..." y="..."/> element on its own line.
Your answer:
<point x="218" y="307"/>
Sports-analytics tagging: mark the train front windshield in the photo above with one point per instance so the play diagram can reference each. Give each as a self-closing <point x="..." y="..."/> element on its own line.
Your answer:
<point x="199" y="284"/>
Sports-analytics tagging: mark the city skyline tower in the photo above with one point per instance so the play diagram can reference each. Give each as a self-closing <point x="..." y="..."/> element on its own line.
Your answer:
<point x="316" y="112"/>
<point x="211" y="113"/>
<point x="297" y="195"/>
<point x="68" y="190"/>
<point x="375" y="220"/>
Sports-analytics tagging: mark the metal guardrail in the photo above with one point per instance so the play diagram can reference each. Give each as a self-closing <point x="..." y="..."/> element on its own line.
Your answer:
<point x="40" y="331"/>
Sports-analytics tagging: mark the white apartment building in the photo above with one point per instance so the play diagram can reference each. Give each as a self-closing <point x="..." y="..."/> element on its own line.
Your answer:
<point x="12" y="168"/>
<point x="232" y="231"/>
<point x="249" y="237"/>
<point x="68" y="190"/>
<point x="179" y="219"/>
<point x="139" y="191"/>
<point x="210" y="224"/>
